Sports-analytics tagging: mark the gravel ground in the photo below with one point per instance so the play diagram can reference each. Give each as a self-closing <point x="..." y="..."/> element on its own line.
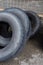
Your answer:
<point x="32" y="53"/>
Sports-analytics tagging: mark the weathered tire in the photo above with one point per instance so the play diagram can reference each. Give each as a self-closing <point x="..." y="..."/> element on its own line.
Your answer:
<point x="18" y="36"/>
<point x="23" y="17"/>
<point x="35" y="21"/>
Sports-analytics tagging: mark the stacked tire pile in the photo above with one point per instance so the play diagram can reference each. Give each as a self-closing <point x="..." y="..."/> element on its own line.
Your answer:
<point x="16" y="27"/>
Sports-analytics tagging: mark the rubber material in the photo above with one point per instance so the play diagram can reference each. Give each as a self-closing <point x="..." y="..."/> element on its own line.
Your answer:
<point x="35" y="21"/>
<point x="23" y="17"/>
<point x="18" y="36"/>
<point x="23" y="24"/>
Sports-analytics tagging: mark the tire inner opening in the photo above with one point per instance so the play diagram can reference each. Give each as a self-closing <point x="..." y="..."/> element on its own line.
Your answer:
<point x="5" y="31"/>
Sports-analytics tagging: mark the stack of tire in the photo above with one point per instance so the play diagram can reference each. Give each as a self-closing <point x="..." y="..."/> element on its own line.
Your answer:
<point x="22" y="24"/>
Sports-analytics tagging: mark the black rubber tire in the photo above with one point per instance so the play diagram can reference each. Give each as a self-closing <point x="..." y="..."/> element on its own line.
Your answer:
<point x="18" y="36"/>
<point x="23" y="17"/>
<point x="35" y="21"/>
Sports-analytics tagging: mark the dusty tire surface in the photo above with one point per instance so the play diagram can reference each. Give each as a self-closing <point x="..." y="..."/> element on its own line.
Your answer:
<point x="23" y="17"/>
<point x="35" y="21"/>
<point x="18" y="36"/>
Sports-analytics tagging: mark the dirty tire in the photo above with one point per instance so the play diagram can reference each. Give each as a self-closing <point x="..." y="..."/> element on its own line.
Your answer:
<point x="23" y="17"/>
<point x="35" y="21"/>
<point x="18" y="36"/>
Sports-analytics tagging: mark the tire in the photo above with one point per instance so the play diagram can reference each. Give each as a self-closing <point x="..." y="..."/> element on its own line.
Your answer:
<point x="18" y="36"/>
<point x="23" y="17"/>
<point x="35" y="21"/>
